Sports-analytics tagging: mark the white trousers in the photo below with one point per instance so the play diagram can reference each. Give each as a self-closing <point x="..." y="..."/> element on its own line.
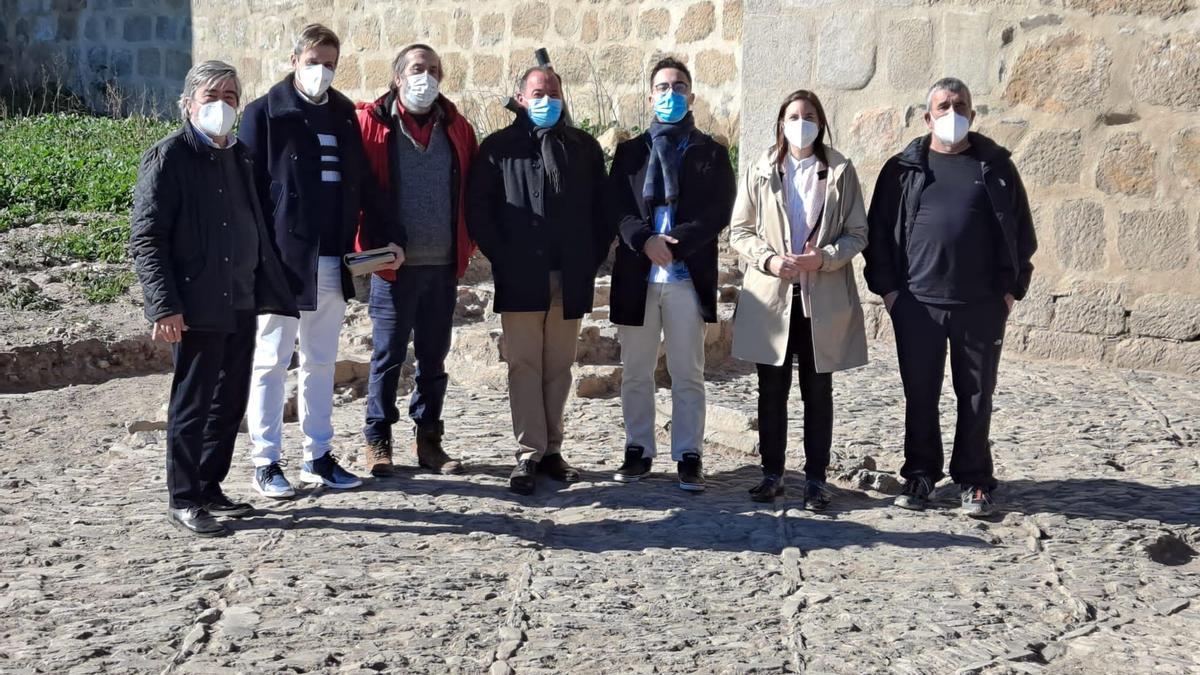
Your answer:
<point x="276" y="342"/>
<point x="672" y="318"/>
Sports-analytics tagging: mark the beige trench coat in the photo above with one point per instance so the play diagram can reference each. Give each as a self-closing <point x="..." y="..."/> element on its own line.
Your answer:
<point x="759" y="229"/>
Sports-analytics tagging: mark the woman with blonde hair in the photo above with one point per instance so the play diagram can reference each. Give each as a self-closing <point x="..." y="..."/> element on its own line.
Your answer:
<point x="798" y="220"/>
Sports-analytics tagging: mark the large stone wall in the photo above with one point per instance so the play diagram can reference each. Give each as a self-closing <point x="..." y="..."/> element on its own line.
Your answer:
<point x="120" y="56"/>
<point x="1097" y="99"/>
<point x="603" y="48"/>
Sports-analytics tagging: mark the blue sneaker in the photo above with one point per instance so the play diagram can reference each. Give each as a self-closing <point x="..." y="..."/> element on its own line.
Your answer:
<point x="269" y="481"/>
<point x="324" y="470"/>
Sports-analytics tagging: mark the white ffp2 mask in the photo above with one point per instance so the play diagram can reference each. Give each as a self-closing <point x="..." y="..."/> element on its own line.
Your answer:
<point x="951" y="128"/>
<point x="215" y="119"/>
<point x="314" y="80"/>
<point x="801" y="133"/>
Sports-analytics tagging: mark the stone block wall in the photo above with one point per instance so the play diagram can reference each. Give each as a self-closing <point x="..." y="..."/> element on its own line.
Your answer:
<point x="119" y="55"/>
<point x="603" y="48"/>
<point x="1099" y="101"/>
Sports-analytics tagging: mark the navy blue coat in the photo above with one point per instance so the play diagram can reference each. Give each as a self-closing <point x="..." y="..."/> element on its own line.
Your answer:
<point x="287" y="159"/>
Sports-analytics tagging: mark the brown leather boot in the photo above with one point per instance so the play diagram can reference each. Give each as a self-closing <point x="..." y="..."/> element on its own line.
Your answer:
<point x="377" y="457"/>
<point x="428" y="448"/>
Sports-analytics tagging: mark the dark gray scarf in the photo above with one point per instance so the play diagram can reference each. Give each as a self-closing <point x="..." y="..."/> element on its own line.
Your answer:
<point x="666" y="155"/>
<point x="554" y="154"/>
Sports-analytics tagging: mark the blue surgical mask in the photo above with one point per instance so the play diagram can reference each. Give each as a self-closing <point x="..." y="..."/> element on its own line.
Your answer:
<point x="545" y="111"/>
<point x="670" y="107"/>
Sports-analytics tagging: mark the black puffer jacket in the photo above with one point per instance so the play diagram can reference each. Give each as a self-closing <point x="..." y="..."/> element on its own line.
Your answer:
<point x="706" y="191"/>
<point x="515" y="218"/>
<point x="177" y="240"/>
<point x="894" y="209"/>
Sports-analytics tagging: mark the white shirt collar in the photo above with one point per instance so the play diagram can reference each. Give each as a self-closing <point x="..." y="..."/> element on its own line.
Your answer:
<point x="799" y="164"/>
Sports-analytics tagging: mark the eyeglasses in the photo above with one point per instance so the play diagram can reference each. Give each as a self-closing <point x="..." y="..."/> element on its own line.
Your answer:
<point x="678" y="87"/>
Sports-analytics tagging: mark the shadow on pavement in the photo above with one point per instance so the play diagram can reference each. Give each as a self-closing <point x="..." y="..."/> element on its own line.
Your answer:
<point x="1103" y="499"/>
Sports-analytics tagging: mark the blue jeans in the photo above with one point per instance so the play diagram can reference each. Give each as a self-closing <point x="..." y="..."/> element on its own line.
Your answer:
<point x="420" y="302"/>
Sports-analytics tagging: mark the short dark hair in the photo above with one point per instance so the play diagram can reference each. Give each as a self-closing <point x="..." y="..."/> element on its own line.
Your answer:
<point x="671" y="62"/>
<point x="545" y="70"/>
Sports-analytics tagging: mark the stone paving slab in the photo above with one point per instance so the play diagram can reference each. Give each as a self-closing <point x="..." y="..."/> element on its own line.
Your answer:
<point x="1091" y="568"/>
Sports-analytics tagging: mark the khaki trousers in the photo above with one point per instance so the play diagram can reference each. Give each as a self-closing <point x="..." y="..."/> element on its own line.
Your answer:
<point x="540" y="349"/>
<point x="672" y="319"/>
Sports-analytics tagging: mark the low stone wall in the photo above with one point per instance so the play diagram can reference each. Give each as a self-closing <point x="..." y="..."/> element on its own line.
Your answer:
<point x="1097" y="99"/>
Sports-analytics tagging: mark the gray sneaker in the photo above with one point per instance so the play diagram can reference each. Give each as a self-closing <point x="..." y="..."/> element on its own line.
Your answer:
<point x="915" y="496"/>
<point x="977" y="502"/>
<point x="269" y="481"/>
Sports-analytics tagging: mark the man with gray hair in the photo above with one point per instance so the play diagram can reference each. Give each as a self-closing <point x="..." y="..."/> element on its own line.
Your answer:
<point x="950" y="243"/>
<point x="420" y="149"/>
<point x="206" y="264"/>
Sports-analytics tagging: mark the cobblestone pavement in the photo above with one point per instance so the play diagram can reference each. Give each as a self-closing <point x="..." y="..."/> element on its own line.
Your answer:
<point x="1091" y="568"/>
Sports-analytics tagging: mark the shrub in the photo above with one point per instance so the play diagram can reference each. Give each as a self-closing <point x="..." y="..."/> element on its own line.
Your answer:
<point x="71" y="162"/>
<point x="100" y="287"/>
<point x="100" y="241"/>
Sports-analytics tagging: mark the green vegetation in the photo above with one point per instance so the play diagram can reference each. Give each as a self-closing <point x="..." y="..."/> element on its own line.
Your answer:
<point x="100" y="287"/>
<point x="102" y="240"/>
<point x="70" y="162"/>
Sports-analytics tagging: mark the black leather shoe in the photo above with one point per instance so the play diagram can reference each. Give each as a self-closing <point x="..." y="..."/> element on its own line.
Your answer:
<point x="770" y="488"/>
<point x="524" y="477"/>
<point x="220" y="505"/>
<point x="195" y="520"/>
<point x="557" y="468"/>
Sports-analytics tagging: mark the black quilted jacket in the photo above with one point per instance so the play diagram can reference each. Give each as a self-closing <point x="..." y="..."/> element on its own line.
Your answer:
<point x="176" y="238"/>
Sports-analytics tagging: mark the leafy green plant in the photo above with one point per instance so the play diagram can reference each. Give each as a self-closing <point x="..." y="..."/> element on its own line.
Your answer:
<point x="100" y="241"/>
<point x="71" y="162"/>
<point x="100" y="287"/>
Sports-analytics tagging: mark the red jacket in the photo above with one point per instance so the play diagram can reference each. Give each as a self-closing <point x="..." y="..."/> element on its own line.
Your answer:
<point x="377" y="124"/>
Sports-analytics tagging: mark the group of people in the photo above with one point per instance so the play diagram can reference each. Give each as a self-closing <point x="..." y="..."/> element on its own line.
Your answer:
<point x="239" y="242"/>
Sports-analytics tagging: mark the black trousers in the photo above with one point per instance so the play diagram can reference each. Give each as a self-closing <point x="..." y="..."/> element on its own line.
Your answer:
<point x="975" y="333"/>
<point x="209" y="392"/>
<point x="816" y="390"/>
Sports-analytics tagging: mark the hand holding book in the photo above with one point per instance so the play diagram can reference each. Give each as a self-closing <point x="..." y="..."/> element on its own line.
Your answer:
<point x="389" y="257"/>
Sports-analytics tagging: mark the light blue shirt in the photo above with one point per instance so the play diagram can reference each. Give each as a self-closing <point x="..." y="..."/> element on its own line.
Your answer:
<point x="664" y="217"/>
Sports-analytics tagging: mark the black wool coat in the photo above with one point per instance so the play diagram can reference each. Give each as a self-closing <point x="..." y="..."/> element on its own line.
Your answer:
<point x="706" y="193"/>
<point x="511" y="211"/>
